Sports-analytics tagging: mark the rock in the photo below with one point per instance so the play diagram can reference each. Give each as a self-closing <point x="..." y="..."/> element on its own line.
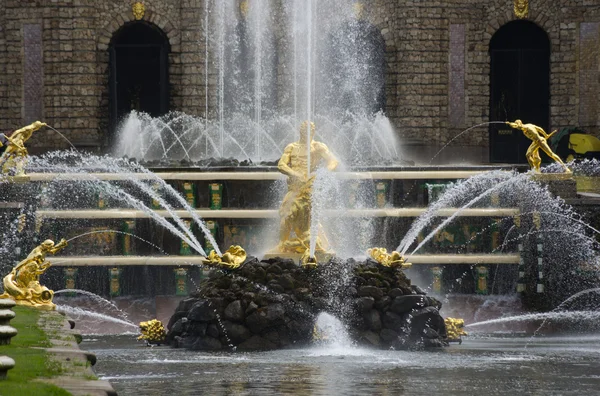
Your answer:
<point x="417" y="290"/>
<point x="197" y="328"/>
<point x="286" y="281"/>
<point x="260" y="275"/>
<point x="271" y="315"/>
<point x="202" y="311"/>
<point x="177" y="329"/>
<point x="430" y="333"/>
<point x="206" y="343"/>
<point x="212" y="330"/>
<point x="372" y="338"/>
<point x="434" y="302"/>
<point x="278" y="338"/>
<point x="364" y="304"/>
<point x="393" y="321"/>
<point x="388" y="335"/>
<point x="403" y="304"/>
<point x="370" y="291"/>
<point x="275" y="287"/>
<point x="383" y="304"/>
<point x="236" y="332"/>
<point x="395" y="293"/>
<point x="433" y="343"/>
<point x="373" y="320"/>
<point x="272" y="304"/>
<point x="302" y="293"/>
<point x="274" y="269"/>
<point x="427" y="317"/>
<point x="251" y="308"/>
<point x="223" y="282"/>
<point x="234" y="311"/>
<point x="256" y="343"/>
<point x="175" y="317"/>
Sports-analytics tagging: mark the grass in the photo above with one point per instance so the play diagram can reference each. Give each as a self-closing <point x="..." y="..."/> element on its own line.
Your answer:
<point x="30" y="363"/>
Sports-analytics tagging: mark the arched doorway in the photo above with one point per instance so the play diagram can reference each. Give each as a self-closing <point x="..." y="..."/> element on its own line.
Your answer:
<point x="139" y="76"/>
<point x="519" y="87"/>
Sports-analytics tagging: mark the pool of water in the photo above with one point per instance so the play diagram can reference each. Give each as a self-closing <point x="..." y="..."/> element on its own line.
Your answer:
<point x="486" y="365"/>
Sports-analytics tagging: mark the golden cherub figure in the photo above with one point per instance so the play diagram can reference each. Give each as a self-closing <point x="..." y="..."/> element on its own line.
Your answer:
<point x="23" y="282"/>
<point x="539" y="139"/>
<point x="296" y="207"/>
<point x="14" y="158"/>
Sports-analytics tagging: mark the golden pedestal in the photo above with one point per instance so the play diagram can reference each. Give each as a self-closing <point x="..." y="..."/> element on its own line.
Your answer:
<point x="546" y="177"/>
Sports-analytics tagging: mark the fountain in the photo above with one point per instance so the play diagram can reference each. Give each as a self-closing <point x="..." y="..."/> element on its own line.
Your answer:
<point x="493" y="230"/>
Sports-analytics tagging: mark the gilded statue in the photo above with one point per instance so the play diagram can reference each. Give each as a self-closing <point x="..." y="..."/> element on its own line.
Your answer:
<point x="14" y="158"/>
<point x="23" y="282"/>
<point x="539" y="139"/>
<point x="454" y="329"/>
<point x="231" y="259"/>
<point x="153" y="332"/>
<point x="392" y="260"/>
<point x="294" y="213"/>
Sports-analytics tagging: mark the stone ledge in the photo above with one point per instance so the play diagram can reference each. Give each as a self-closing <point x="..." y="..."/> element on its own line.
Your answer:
<point x="76" y="362"/>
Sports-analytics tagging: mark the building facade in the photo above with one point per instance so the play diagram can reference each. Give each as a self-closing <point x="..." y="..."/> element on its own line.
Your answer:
<point x="450" y="65"/>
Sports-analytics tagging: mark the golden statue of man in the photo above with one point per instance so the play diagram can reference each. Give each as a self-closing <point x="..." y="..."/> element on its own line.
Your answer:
<point x="23" y="282"/>
<point x="297" y="204"/>
<point x="13" y="159"/>
<point x="539" y="139"/>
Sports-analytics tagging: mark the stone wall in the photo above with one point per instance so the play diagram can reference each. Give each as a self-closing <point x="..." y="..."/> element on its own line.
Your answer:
<point x="437" y="65"/>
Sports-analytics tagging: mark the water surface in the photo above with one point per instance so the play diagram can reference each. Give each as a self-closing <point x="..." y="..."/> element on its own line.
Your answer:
<point x="492" y="365"/>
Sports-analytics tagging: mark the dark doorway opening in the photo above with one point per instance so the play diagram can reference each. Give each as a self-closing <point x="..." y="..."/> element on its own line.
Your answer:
<point x="139" y="71"/>
<point x="520" y="87"/>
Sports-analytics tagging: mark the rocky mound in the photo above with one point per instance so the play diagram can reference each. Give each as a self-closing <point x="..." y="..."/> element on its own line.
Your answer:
<point x="273" y="304"/>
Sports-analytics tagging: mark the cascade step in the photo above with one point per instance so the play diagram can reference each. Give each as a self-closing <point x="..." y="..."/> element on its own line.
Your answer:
<point x="214" y="176"/>
<point x="89" y="261"/>
<point x="270" y="213"/>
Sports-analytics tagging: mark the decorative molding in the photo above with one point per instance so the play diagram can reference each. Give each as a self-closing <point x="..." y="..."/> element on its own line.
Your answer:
<point x="138" y="9"/>
<point x="521" y="8"/>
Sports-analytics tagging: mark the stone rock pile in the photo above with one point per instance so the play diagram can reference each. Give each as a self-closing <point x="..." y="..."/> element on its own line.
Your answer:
<point x="274" y="303"/>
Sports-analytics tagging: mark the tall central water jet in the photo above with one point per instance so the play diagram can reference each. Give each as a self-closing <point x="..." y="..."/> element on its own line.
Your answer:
<point x="269" y="67"/>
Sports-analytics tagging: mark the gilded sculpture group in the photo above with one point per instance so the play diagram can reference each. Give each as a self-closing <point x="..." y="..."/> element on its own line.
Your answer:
<point x="22" y="284"/>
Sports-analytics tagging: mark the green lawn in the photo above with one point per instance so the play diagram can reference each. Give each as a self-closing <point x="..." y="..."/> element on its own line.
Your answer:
<point x="30" y="363"/>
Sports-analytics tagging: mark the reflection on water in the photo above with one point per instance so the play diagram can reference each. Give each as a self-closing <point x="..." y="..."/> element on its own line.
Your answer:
<point x="485" y="365"/>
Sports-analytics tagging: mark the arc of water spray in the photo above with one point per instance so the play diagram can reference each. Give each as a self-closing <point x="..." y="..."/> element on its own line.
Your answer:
<point x="463" y="132"/>
<point x="451" y="218"/>
<point x="137" y="204"/>
<point x="63" y="136"/>
<point x="118" y="232"/>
